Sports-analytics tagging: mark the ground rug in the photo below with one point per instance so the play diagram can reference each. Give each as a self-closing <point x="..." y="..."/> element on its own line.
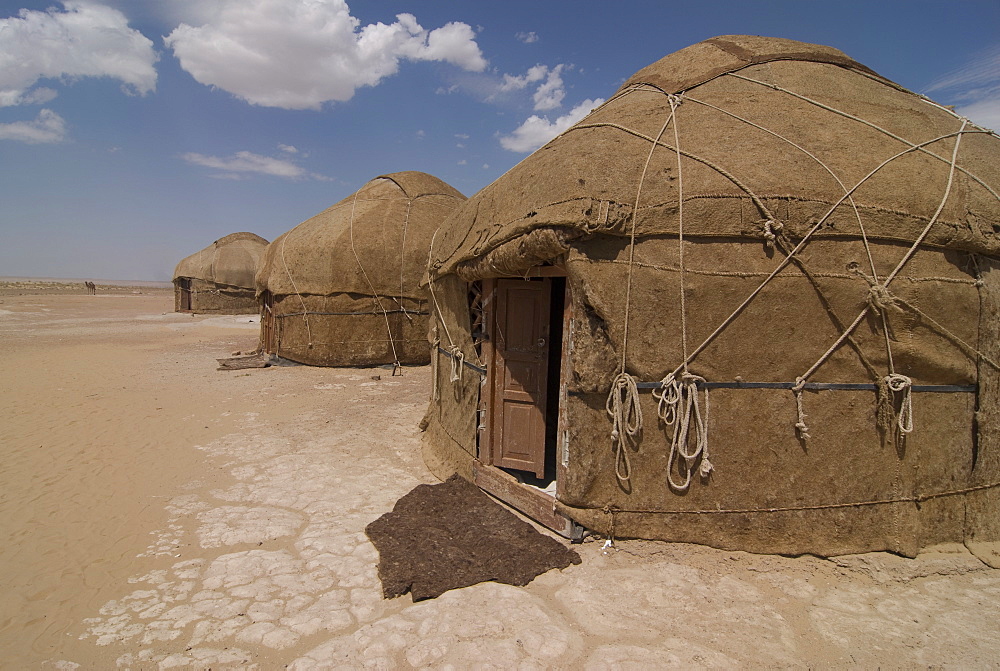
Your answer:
<point x="450" y="535"/>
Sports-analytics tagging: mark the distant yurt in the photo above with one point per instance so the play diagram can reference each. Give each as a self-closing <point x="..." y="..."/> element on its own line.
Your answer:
<point x="344" y="287"/>
<point x="220" y="277"/>
<point x="747" y="302"/>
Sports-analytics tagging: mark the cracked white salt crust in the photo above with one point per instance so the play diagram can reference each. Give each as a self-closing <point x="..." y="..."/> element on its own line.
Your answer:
<point x="499" y="626"/>
<point x="284" y="575"/>
<point x="316" y="575"/>
<point x="232" y="525"/>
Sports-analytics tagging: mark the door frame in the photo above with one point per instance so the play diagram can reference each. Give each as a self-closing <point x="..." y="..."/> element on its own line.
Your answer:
<point x="186" y="294"/>
<point x="486" y="448"/>
<point x="268" y="324"/>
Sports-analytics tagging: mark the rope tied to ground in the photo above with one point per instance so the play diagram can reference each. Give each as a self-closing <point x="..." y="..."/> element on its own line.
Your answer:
<point x="626" y="422"/>
<point x="678" y="406"/>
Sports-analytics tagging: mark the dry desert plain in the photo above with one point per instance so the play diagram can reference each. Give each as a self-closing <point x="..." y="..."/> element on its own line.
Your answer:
<point x="158" y="513"/>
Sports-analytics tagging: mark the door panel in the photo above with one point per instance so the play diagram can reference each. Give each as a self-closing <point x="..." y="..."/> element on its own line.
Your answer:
<point x="185" y="294"/>
<point x="521" y="362"/>
<point x="268" y="331"/>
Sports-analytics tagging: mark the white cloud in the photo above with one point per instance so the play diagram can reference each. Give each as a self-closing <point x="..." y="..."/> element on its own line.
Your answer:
<point x="984" y="69"/>
<point x="85" y="40"/>
<point x="299" y="54"/>
<point x="985" y="113"/>
<point x="47" y="128"/>
<point x="288" y="149"/>
<point x="463" y="162"/>
<point x="462" y="136"/>
<point x="245" y="163"/>
<point x="527" y="38"/>
<point x="518" y="82"/>
<point x="974" y="88"/>
<point x="536" y="131"/>
<point x="36" y="96"/>
<point x="550" y="94"/>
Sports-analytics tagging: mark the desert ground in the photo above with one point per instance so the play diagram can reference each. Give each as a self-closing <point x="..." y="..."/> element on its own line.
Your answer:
<point x="159" y="513"/>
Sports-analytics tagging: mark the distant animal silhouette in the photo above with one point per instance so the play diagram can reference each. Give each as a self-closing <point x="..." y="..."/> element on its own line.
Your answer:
<point x="91" y="287"/>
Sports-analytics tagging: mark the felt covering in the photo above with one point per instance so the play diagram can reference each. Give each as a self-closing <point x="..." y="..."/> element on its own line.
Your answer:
<point x="220" y="278"/>
<point x="801" y="182"/>
<point x="343" y="288"/>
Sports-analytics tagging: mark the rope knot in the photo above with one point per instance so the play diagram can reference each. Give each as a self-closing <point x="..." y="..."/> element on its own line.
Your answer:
<point x="674" y="100"/>
<point x="771" y="230"/>
<point x="800" y="425"/>
<point x="901" y="384"/>
<point x="880" y="298"/>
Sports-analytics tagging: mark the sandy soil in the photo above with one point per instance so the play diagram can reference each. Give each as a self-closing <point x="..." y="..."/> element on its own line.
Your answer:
<point x="161" y="514"/>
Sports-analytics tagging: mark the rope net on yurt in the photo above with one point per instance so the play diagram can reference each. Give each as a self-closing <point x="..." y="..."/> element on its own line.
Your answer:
<point x="760" y="214"/>
<point x="343" y="288"/>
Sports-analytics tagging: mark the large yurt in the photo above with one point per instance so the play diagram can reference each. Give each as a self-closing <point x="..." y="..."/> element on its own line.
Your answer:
<point x="220" y="277"/>
<point x="747" y="302"/>
<point x="344" y="287"/>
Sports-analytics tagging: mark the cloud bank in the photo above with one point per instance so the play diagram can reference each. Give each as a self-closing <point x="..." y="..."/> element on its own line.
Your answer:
<point x="300" y="54"/>
<point x="85" y="40"/>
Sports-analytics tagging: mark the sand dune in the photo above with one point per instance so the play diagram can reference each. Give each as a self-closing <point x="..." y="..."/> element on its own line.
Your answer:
<point x="162" y="514"/>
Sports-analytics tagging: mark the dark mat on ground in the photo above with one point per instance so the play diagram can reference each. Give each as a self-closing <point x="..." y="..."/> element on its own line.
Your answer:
<point x="241" y="362"/>
<point x="450" y="535"/>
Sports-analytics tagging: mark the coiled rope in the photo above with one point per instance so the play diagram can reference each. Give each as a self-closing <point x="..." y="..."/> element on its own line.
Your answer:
<point x="626" y="422"/>
<point x="682" y="395"/>
<point x="678" y="407"/>
<point x="623" y="399"/>
<point x="901" y="384"/>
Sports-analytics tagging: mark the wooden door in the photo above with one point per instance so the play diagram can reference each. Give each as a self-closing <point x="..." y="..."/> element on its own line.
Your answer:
<point x="185" y="286"/>
<point x="268" y="332"/>
<point x="521" y="351"/>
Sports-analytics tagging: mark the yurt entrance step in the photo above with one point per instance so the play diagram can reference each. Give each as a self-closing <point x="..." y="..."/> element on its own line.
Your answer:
<point x="533" y="502"/>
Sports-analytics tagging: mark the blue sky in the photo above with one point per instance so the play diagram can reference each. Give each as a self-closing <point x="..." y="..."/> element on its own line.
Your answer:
<point x="136" y="132"/>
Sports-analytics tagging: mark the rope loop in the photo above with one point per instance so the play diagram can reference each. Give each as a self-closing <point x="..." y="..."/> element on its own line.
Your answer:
<point x="626" y="422"/>
<point x="800" y="425"/>
<point x="901" y="384"/>
<point x="667" y="397"/>
<point x="435" y="365"/>
<point x="457" y="363"/>
<point x="678" y="406"/>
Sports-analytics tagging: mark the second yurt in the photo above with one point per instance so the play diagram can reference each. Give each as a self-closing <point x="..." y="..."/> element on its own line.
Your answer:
<point x="343" y="288"/>
<point x="748" y="302"/>
<point x="220" y="277"/>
